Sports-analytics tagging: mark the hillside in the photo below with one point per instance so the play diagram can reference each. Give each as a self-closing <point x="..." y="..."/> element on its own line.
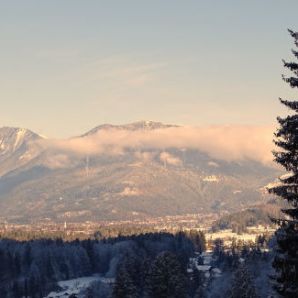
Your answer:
<point x="253" y="216"/>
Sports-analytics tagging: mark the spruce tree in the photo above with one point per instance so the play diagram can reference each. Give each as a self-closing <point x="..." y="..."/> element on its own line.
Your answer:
<point x="242" y="285"/>
<point x="286" y="138"/>
<point x="124" y="286"/>
<point x="167" y="278"/>
<point x="196" y="285"/>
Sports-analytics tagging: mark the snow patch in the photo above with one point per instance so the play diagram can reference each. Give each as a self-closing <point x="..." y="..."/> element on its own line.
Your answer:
<point x="75" y="286"/>
<point x="213" y="164"/>
<point x="20" y="135"/>
<point x="211" y="178"/>
<point x="130" y="191"/>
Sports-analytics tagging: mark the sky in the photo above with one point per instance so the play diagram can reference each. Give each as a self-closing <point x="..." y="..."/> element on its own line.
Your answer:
<point x="67" y="66"/>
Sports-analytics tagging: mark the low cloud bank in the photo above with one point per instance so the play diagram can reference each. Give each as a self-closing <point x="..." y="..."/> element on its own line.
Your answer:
<point x="229" y="143"/>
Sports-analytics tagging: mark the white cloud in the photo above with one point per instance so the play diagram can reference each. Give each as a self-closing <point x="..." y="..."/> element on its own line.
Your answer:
<point x="222" y="142"/>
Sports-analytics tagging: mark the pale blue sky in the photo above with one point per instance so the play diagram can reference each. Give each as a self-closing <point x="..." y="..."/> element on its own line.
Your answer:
<point x="67" y="66"/>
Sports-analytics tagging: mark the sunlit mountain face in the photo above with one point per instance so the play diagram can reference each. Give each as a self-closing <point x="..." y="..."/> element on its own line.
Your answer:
<point x="88" y="178"/>
<point x="16" y="148"/>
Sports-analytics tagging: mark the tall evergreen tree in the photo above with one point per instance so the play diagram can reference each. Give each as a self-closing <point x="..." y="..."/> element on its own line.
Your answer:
<point x="286" y="138"/>
<point x="196" y="283"/>
<point x="124" y="286"/>
<point x="167" y="278"/>
<point x="242" y="285"/>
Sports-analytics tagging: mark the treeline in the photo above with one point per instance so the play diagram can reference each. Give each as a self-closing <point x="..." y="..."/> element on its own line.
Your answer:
<point x="32" y="268"/>
<point x="71" y="233"/>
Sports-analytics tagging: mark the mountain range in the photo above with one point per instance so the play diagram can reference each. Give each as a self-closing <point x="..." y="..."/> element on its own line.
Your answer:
<point x="89" y="177"/>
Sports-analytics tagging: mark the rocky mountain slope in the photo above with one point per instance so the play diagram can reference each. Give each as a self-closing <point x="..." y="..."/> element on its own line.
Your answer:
<point x="16" y="148"/>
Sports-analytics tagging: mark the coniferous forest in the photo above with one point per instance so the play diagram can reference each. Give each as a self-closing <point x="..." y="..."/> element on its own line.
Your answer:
<point x="148" y="265"/>
<point x="32" y="268"/>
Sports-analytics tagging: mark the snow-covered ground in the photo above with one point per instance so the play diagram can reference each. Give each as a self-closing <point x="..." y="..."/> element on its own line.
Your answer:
<point x="206" y="267"/>
<point x="228" y="234"/>
<point x="250" y="236"/>
<point x="75" y="286"/>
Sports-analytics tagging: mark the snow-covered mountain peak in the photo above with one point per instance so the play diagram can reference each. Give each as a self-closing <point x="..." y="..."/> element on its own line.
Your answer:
<point x="12" y="138"/>
<point x="134" y="126"/>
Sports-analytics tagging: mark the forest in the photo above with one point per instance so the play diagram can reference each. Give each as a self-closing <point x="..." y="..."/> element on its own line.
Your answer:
<point x="149" y="265"/>
<point x="31" y="268"/>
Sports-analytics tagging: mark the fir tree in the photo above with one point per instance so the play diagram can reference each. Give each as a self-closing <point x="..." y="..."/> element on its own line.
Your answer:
<point x="16" y="291"/>
<point x="200" y="293"/>
<point x="196" y="284"/>
<point x="166" y="279"/>
<point x="124" y="286"/>
<point x="26" y="288"/>
<point x="242" y="285"/>
<point x="286" y="259"/>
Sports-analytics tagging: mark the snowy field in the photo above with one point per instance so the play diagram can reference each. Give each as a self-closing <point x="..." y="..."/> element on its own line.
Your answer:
<point x="227" y="235"/>
<point x="75" y="286"/>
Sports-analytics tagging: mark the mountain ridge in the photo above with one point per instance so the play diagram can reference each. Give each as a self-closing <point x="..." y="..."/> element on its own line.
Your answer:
<point x="134" y="126"/>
